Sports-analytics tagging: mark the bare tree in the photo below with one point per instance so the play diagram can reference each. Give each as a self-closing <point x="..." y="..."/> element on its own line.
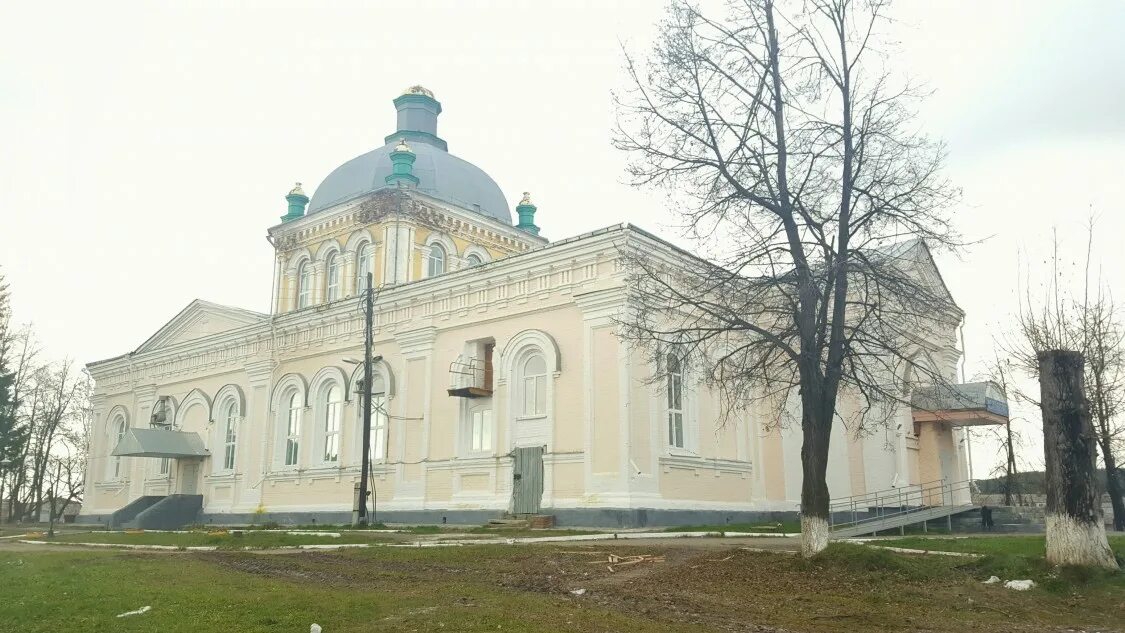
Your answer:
<point x="1008" y="439"/>
<point x="1075" y="530"/>
<point x="1104" y="348"/>
<point x="54" y="398"/>
<point x="13" y="433"/>
<point x="67" y="463"/>
<point x="790" y="154"/>
<point x="1091" y="324"/>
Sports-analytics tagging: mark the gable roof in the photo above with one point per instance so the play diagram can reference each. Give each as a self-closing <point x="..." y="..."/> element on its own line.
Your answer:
<point x="199" y="319"/>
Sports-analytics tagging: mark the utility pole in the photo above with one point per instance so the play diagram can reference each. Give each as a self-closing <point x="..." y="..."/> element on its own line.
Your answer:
<point x="368" y="302"/>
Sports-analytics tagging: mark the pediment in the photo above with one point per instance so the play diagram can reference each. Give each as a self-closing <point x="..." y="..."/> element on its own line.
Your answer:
<point x="919" y="261"/>
<point x="200" y="319"/>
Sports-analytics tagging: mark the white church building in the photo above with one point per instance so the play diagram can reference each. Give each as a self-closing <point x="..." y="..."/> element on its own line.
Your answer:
<point x="501" y="385"/>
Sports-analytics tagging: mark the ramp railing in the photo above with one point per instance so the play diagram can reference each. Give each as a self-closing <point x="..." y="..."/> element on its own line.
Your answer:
<point x="894" y="505"/>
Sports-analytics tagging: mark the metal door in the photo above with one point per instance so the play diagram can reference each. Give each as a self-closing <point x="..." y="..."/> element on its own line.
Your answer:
<point x="527" y="480"/>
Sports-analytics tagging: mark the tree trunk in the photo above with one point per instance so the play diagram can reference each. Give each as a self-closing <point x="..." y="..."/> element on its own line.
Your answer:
<point x="1010" y="467"/>
<point x="816" y="427"/>
<point x="1075" y="531"/>
<point x="1113" y="488"/>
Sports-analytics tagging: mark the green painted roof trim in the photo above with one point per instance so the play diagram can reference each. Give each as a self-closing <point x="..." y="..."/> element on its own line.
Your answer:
<point x="418" y="135"/>
<point x="297" y="204"/>
<point x="527" y="218"/>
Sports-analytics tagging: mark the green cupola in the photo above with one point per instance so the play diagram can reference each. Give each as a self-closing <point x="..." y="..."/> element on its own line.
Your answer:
<point x="402" y="166"/>
<point x="526" y="211"/>
<point x="418" y="112"/>
<point x="297" y="201"/>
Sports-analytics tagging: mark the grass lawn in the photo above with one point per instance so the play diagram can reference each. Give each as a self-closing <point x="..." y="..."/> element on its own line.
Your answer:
<point x="528" y="589"/>
<point x="994" y="545"/>
<point x="1019" y="557"/>
<point x="221" y="539"/>
<point x="785" y="527"/>
<point x="425" y="530"/>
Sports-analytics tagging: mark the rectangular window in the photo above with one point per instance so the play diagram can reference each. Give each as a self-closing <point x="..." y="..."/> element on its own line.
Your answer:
<point x="292" y="437"/>
<point x="675" y="389"/>
<point x="480" y="431"/>
<point x="332" y="432"/>
<point x="228" y="445"/>
<point x="535" y="395"/>
<point x="164" y="466"/>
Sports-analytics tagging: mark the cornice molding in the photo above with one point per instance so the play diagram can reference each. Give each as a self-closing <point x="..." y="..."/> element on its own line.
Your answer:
<point x="343" y="220"/>
<point x="416" y="341"/>
<point x="541" y="279"/>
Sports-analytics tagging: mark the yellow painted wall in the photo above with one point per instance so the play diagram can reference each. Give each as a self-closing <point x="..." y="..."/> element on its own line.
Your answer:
<point x="605" y="394"/>
<point x="703" y="484"/>
<point x="439" y="486"/>
<point x="772" y="466"/>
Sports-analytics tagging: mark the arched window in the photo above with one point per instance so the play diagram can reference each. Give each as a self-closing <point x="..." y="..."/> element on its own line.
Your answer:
<point x="118" y="426"/>
<point x="674" y="386"/>
<point x="333" y="405"/>
<point x="379" y="417"/>
<point x="332" y="266"/>
<point x="533" y="385"/>
<point x="293" y="430"/>
<point x="473" y="260"/>
<point x="304" y="285"/>
<point x="230" y="434"/>
<point x="362" y="266"/>
<point x="435" y="263"/>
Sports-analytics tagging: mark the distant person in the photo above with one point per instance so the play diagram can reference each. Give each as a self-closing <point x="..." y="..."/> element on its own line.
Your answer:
<point x="986" y="518"/>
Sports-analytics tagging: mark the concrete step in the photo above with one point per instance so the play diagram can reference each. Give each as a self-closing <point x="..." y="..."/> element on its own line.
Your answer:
<point x="514" y="523"/>
<point x="170" y="513"/>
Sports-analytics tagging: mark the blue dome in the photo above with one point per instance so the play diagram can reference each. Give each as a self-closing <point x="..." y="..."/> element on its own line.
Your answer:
<point x="440" y="174"/>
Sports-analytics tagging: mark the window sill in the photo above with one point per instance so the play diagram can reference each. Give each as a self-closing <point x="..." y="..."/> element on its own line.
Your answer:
<point x="538" y="416"/>
<point x="476" y="455"/>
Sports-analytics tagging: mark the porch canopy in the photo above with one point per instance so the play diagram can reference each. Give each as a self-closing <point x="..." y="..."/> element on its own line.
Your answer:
<point x="160" y="443"/>
<point x="961" y="405"/>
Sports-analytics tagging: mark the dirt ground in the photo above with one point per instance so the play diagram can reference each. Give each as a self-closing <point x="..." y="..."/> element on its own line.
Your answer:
<point x="709" y="584"/>
<point x="694" y="584"/>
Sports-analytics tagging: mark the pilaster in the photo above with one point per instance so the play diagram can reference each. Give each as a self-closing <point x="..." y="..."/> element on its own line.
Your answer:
<point x="600" y="308"/>
<point x="256" y="423"/>
<point x="417" y="347"/>
<point x="145" y="399"/>
<point x="347" y="272"/>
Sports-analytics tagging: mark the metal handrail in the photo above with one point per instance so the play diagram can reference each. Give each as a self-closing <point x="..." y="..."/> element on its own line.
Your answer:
<point x="911" y="500"/>
<point x="847" y="502"/>
<point x="467" y="372"/>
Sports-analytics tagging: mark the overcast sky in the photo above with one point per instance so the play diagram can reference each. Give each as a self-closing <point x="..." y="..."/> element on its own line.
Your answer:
<point x="147" y="146"/>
